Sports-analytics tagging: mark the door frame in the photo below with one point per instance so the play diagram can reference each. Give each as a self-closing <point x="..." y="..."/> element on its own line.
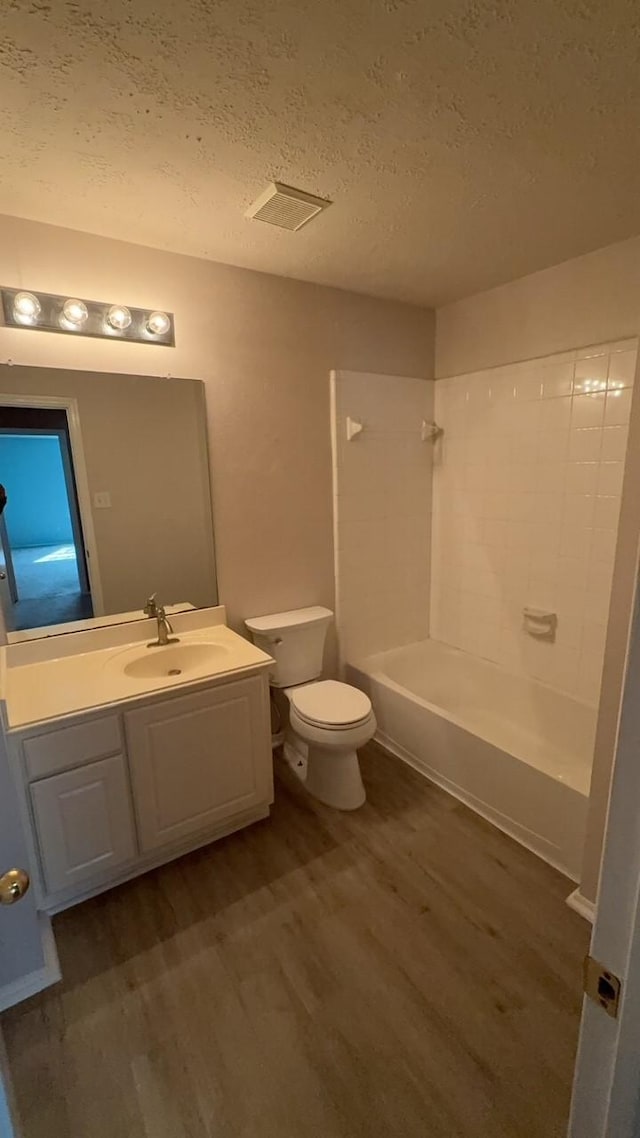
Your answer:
<point x="9" y="1122"/>
<point x="8" y="559"/>
<point x="69" y="404"/>
<point x="74" y="509"/>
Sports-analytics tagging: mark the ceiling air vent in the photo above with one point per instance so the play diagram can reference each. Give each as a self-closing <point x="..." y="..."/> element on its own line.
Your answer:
<point x="286" y="207"/>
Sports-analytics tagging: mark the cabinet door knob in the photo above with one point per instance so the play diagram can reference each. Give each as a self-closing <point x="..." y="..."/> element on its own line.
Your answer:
<point x="13" y="885"/>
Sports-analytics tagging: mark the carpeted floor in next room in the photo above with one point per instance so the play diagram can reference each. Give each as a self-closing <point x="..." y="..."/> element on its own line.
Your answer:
<point x="48" y="587"/>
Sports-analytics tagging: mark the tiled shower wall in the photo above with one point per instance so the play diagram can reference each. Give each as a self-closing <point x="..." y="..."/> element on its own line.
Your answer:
<point x="382" y="510"/>
<point x="527" y="484"/>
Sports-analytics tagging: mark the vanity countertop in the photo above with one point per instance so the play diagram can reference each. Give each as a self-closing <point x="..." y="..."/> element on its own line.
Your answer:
<point x="37" y="690"/>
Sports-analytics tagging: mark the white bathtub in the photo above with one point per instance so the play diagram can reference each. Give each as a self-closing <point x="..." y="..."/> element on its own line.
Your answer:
<point x="513" y="749"/>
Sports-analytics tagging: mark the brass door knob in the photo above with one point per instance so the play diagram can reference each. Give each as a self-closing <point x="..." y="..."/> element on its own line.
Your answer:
<point x="13" y="885"/>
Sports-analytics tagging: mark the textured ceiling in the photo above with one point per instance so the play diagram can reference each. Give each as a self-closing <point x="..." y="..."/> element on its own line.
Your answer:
<point x="463" y="144"/>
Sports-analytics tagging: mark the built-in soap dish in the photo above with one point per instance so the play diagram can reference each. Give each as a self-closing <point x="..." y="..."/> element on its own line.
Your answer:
<point x="540" y="623"/>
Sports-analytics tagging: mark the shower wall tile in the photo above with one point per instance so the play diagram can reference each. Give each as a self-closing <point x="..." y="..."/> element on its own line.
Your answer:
<point x="382" y="511"/>
<point x="526" y="497"/>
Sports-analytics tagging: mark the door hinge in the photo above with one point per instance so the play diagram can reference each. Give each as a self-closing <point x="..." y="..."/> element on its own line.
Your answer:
<point x="602" y="986"/>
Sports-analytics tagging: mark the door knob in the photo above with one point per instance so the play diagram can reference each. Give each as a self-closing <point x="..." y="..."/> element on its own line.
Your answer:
<point x="13" y="885"/>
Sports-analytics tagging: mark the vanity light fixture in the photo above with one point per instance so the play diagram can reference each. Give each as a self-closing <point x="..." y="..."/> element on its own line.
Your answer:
<point x="49" y="312"/>
<point x="119" y="317"/>
<point x="158" y="323"/>
<point x="75" y="312"/>
<point x="26" y="306"/>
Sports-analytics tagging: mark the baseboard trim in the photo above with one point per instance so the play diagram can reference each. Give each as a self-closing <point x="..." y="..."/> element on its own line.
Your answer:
<point x="581" y="905"/>
<point x="37" y="981"/>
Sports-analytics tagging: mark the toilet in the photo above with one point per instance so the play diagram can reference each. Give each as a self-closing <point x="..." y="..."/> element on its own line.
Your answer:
<point x="328" y="720"/>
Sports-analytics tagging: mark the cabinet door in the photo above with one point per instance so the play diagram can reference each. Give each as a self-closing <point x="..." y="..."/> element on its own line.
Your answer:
<point x="84" y="823"/>
<point x="196" y="760"/>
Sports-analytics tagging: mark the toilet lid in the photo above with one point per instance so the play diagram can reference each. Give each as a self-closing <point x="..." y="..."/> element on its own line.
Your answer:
<point x="330" y="702"/>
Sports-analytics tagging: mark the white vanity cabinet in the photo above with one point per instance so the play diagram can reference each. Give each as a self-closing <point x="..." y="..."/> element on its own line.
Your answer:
<point x="110" y="795"/>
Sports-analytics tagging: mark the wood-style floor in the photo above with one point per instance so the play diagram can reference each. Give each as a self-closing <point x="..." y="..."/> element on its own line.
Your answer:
<point x="405" y="970"/>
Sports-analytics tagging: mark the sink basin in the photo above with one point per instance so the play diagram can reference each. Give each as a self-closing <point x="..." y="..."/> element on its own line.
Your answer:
<point x="174" y="660"/>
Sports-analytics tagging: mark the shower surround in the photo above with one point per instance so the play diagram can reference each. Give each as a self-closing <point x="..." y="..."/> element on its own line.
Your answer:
<point x="526" y="483"/>
<point x="382" y="480"/>
<point x="526" y="497"/>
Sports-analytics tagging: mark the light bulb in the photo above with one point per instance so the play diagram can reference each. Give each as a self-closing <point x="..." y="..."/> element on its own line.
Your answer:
<point x="158" y="323"/>
<point x="26" y="305"/>
<point x="75" y="311"/>
<point x="119" y="317"/>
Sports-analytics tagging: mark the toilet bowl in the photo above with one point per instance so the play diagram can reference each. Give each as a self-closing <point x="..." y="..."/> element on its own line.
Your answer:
<point x="328" y="720"/>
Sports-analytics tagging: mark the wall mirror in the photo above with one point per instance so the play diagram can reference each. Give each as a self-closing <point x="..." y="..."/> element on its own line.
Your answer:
<point x="108" y="497"/>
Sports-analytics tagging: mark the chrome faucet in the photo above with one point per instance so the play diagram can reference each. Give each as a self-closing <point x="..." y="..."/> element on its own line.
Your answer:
<point x="154" y="610"/>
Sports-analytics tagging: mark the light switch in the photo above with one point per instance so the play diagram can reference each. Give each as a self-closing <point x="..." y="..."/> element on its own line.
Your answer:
<point x="102" y="500"/>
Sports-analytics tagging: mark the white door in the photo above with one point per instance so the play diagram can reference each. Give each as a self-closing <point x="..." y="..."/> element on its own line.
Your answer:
<point x="198" y="759"/>
<point x="28" y="959"/>
<point x="606" y="1093"/>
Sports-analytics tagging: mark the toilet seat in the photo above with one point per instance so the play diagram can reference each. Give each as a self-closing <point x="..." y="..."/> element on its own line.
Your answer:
<point x="330" y="704"/>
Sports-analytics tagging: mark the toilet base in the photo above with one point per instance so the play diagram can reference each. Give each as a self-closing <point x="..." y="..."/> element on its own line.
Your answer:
<point x="296" y="757"/>
<point x="330" y="775"/>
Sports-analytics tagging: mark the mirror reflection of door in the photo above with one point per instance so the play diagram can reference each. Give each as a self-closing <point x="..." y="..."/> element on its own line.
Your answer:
<point x="41" y="527"/>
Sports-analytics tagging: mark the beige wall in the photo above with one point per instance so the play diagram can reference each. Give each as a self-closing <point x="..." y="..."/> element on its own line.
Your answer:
<point x="144" y="442"/>
<point x="589" y="300"/>
<point x="264" y="347"/>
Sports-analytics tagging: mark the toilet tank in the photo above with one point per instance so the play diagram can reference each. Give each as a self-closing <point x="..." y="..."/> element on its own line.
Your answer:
<point x="295" y="640"/>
